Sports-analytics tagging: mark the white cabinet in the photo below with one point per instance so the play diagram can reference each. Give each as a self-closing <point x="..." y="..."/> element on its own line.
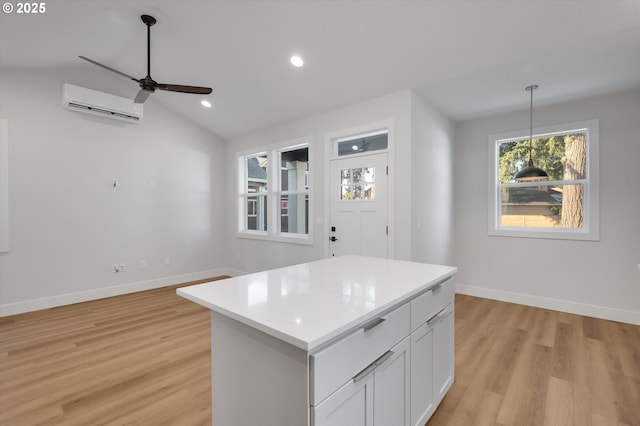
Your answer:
<point x="392" y="387"/>
<point x="376" y="396"/>
<point x="347" y="341"/>
<point x="351" y="405"/>
<point x="401" y="387"/>
<point x="443" y="354"/>
<point x="422" y="398"/>
<point x="340" y="362"/>
<point x="432" y="350"/>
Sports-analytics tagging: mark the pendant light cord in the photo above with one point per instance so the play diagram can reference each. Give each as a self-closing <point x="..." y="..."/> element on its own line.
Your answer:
<point x="531" y="89"/>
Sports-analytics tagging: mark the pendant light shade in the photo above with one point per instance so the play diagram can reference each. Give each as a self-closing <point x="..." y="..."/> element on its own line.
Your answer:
<point x="531" y="173"/>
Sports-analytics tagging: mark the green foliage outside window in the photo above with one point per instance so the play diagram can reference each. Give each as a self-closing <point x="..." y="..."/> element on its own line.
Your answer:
<point x="548" y="153"/>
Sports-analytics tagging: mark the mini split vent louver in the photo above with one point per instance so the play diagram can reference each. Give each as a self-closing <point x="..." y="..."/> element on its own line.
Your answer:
<point x="80" y="99"/>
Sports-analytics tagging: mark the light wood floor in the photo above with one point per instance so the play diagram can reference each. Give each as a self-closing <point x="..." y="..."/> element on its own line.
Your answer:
<point x="143" y="359"/>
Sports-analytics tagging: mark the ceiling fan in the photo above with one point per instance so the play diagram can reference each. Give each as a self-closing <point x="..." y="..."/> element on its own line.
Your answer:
<point x="147" y="84"/>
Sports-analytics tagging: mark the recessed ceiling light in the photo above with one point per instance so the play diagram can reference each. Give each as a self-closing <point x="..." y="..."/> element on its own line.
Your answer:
<point x="297" y="61"/>
<point x="205" y="103"/>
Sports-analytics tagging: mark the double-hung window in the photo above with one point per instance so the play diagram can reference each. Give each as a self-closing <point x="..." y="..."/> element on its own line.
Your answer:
<point x="274" y="194"/>
<point x="562" y="201"/>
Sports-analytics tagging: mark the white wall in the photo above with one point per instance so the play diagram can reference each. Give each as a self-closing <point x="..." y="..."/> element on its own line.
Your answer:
<point x="252" y="255"/>
<point x="432" y="200"/>
<point x="592" y="278"/>
<point x="68" y="225"/>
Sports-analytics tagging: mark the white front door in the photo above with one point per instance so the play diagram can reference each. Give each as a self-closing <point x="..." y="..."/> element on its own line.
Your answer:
<point x="359" y="206"/>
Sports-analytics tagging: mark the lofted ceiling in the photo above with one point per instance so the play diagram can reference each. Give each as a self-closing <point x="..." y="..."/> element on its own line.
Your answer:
<point x="466" y="58"/>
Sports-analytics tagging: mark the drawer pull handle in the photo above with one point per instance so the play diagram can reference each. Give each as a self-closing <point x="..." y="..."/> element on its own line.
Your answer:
<point x="439" y="284"/>
<point x="361" y="375"/>
<point x="378" y="362"/>
<point x="437" y="316"/>
<point x="376" y="322"/>
<point x="383" y="358"/>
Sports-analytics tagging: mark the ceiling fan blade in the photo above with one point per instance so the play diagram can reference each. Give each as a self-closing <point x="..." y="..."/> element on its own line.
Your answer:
<point x="184" y="89"/>
<point x="108" y="68"/>
<point x="142" y="96"/>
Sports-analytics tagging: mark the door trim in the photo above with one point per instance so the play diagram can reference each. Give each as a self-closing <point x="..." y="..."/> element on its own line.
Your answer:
<point x="329" y="138"/>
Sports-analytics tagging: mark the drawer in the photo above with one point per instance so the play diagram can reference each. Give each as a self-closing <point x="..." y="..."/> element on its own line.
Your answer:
<point x="430" y="303"/>
<point x="337" y="364"/>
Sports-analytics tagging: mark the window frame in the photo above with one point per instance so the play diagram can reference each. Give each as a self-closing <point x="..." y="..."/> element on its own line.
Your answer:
<point x="274" y="193"/>
<point x="335" y="150"/>
<point x="590" y="230"/>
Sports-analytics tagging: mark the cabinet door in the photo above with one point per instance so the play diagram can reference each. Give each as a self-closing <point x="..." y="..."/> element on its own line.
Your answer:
<point x="392" y="387"/>
<point x="443" y="356"/>
<point x="422" y="397"/>
<point x="351" y="405"/>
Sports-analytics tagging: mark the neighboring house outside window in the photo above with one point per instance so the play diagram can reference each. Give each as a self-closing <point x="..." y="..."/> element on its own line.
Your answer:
<point x="274" y="194"/>
<point x="256" y="192"/>
<point x="562" y="205"/>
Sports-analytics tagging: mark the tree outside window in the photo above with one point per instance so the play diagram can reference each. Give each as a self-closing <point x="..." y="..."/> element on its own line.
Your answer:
<point x="554" y="202"/>
<point x="565" y="201"/>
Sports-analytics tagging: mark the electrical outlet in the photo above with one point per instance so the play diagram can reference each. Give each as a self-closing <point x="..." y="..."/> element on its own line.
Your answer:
<point x="115" y="268"/>
<point x="143" y="264"/>
<point x="123" y="267"/>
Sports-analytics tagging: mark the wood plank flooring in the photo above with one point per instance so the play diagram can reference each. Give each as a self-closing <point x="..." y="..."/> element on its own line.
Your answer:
<point x="524" y="366"/>
<point x="144" y="359"/>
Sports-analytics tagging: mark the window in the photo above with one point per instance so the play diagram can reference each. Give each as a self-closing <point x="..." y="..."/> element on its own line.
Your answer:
<point x="358" y="144"/>
<point x="274" y="194"/>
<point x="358" y="184"/>
<point x="562" y="205"/>
<point x="294" y="190"/>
<point x="255" y="191"/>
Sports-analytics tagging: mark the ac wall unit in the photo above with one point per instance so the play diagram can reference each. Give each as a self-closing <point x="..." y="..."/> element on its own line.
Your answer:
<point x="81" y="99"/>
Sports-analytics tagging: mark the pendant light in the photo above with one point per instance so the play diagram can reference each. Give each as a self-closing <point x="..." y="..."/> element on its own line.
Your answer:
<point x="531" y="173"/>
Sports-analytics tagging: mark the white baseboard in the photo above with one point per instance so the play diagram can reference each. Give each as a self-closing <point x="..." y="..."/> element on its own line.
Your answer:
<point x="100" y="293"/>
<point x="235" y="272"/>
<point x="597" y="311"/>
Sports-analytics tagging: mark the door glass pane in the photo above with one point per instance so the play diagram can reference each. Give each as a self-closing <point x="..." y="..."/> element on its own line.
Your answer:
<point x="369" y="192"/>
<point x="369" y="174"/>
<point x="345" y="176"/>
<point x="356" y="175"/>
<point x="357" y="192"/>
<point x="346" y="192"/>
<point x="358" y="184"/>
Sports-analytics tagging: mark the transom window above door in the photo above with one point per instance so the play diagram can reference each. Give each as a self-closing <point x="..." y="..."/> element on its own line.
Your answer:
<point x="362" y="143"/>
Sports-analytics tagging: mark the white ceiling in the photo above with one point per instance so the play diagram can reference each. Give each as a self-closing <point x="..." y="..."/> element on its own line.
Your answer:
<point x="467" y="58"/>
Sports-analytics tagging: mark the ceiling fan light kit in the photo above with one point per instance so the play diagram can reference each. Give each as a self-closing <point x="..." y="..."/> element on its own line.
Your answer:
<point x="147" y="84"/>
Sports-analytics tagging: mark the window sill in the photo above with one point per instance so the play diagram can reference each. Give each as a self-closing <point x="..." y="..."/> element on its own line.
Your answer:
<point x="545" y="233"/>
<point x="303" y="239"/>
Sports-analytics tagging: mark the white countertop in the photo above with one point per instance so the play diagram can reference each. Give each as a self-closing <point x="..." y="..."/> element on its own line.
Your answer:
<point x="309" y="304"/>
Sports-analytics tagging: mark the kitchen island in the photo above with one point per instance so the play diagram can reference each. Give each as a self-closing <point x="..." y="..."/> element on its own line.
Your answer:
<point x="343" y="341"/>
